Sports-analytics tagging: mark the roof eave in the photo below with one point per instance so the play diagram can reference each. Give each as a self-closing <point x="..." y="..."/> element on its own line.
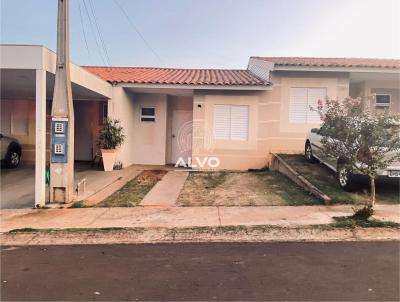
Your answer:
<point x="197" y="87"/>
<point x="335" y="69"/>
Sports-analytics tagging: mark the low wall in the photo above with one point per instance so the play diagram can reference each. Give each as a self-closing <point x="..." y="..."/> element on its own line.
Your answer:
<point x="278" y="164"/>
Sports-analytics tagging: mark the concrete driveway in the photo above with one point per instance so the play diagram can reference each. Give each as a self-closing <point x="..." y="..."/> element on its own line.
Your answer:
<point x="18" y="187"/>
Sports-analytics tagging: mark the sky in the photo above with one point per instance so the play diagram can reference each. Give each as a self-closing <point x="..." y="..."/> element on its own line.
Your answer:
<point x="207" y="33"/>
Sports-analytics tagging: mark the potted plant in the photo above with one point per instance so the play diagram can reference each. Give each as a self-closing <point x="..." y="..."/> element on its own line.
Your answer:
<point x="111" y="136"/>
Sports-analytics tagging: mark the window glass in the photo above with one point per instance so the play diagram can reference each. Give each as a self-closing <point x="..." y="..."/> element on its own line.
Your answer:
<point x="148" y="114"/>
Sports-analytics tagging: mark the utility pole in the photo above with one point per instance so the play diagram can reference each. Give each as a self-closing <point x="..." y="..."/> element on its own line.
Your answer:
<point x="62" y="116"/>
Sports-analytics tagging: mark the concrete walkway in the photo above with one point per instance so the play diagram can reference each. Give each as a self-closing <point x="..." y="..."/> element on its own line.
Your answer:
<point x="102" y="192"/>
<point x="178" y="217"/>
<point x="166" y="191"/>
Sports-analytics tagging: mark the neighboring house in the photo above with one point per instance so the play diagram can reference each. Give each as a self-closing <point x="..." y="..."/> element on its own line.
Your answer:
<point x="236" y="116"/>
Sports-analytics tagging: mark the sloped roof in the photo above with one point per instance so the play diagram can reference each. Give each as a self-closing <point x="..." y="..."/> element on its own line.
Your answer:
<point x="149" y="75"/>
<point x="332" y="62"/>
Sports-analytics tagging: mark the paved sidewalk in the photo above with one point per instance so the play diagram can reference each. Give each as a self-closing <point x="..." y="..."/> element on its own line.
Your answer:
<point x="166" y="191"/>
<point x="180" y="217"/>
<point x="108" y="189"/>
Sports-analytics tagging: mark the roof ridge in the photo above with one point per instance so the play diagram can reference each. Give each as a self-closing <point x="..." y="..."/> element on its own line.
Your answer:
<point x="341" y="58"/>
<point x="160" y="68"/>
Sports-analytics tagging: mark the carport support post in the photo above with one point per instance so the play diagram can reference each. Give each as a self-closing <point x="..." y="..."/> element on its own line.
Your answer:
<point x="40" y="141"/>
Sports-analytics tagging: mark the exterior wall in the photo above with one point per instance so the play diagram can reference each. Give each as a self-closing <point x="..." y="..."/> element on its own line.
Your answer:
<point x="384" y="87"/>
<point x="283" y="135"/>
<point x="233" y="155"/>
<point x="121" y="107"/>
<point x="145" y="142"/>
<point x="150" y="137"/>
<point x="269" y="127"/>
<point x="395" y="100"/>
<point x="367" y="90"/>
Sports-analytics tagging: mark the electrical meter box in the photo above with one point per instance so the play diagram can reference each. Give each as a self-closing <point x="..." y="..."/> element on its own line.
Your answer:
<point x="59" y="148"/>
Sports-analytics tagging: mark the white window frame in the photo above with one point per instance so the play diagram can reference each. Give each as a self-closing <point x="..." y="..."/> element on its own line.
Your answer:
<point x="230" y="136"/>
<point x="104" y="111"/>
<point x="142" y="116"/>
<point x="382" y="105"/>
<point x="308" y="112"/>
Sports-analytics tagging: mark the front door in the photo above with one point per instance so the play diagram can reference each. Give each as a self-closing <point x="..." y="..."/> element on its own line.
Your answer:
<point x="181" y="135"/>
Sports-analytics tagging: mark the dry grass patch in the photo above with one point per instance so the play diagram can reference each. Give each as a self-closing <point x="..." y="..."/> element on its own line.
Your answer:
<point x="325" y="180"/>
<point x="133" y="192"/>
<point x="264" y="188"/>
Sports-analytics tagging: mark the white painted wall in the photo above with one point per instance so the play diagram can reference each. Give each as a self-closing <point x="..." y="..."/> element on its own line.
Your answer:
<point x="42" y="58"/>
<point x="121" y="107"/>
<point x="150" y="138"/>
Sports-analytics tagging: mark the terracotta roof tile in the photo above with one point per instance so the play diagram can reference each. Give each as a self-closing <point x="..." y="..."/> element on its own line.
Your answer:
<point x="147" y="75"/>
<point x="332" y="62"/>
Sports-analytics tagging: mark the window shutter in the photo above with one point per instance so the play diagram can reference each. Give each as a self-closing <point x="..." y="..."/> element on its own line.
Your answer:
<point x="231" y="122"/>
<point x="239" y="122"/>
<point x="222" y="121"/>
<point x="298" y="105"/>
<point x="314" y="94"/>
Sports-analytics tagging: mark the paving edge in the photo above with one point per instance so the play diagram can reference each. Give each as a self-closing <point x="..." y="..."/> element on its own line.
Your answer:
<point x="280" y="165"/>
<point x="197" y="234"/>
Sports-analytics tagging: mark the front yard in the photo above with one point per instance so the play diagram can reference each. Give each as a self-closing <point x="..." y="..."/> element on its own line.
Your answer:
<point x="255" y="188"/>
<point x="322" y="177"/>
<point x="263" y="188"/>
<point x="133" y="192"/>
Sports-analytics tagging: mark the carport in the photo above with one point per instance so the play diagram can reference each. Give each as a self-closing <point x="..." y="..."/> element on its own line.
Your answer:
<point x="27" y="83"/>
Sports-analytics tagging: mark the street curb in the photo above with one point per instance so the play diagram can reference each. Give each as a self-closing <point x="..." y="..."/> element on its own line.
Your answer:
<point x="201" y="234"/>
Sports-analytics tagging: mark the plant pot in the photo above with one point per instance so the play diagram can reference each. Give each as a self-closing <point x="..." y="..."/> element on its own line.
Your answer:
<point x="108" y="158"/>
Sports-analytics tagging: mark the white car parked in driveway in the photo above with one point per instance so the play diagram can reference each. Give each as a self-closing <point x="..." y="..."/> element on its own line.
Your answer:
<point x="10" y="151"/>
<point x="313" y="152"/>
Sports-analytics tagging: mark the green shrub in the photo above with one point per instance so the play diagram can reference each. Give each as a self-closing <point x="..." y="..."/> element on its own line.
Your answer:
<point x="111" y="134"/>
<point x="364" y="213"/>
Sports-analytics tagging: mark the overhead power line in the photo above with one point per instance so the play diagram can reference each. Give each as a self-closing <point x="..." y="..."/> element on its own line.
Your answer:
<point x="100" y="33"/>
<point x="83" y="28"/>
<point x="93" y="30"/>
<point x="137" y="30"/>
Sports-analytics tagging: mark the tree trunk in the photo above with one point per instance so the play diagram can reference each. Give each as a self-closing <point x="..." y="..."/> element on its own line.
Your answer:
<point x="373" y="193"/>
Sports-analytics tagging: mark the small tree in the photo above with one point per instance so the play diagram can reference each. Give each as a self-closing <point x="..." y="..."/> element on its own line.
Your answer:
<point x="365" y="140"/>
<point x="111" y="134"/>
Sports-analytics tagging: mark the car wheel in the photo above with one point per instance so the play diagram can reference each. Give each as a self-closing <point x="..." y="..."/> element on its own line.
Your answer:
<point x="308" y="154"/>
<point x="13" y="158"/>
<point x="345" y="177"/>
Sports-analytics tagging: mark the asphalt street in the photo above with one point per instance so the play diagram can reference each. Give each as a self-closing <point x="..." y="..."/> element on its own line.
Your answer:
<point x="355" y="271"/>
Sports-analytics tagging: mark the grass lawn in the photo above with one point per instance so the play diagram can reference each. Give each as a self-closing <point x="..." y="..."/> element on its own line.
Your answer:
<point x="132" y="193"/>
<point x="264" y="188"/>
<point x="325" y="179"/>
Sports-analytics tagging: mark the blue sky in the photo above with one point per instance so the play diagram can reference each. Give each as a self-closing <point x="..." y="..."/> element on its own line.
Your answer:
<point x="209" y="33"/>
